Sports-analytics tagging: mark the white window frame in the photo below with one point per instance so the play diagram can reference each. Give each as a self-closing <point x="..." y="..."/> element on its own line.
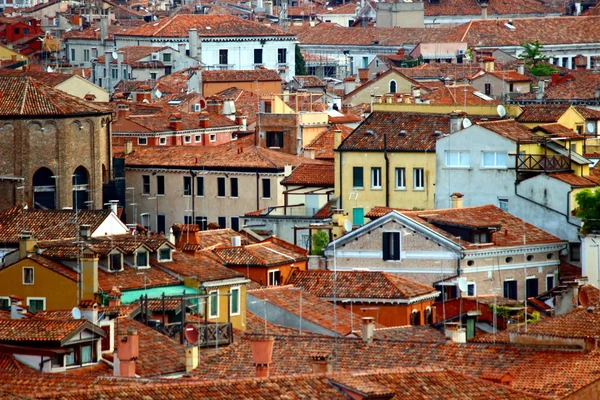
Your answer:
<point x="187" y="139"/>
<point x="164" y="259"/>
<point x="495" y="165"/>
<point x="110" y="269"/>
<point x="147" y="259"/>
<point x="399" y="255"/>
<point x="5" y="298"/>
<point x="162" y="141"/>
<point x="422" y="173"/>
<point x="553" y="281"/>
<point x="142" y="141"/>
<point x="463" y="156"/>
<point x="197" y="138"/>
<point x="272" y="271"/>
<point x="474" y="284"/>
<point x="210" y="300"/>
<point x="32" y="276"/>
<point x="239" y="300"/>
<point x="212" y="137"/>
<point x="397" y="170"/>
<point x="36" y="298"/>
<point x="375" y="178"/>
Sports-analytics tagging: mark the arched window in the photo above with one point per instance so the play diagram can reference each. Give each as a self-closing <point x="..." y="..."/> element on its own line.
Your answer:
<point x="44" y="189"/>
<point x="415" y="318"/>
<point x="428" y="316"/>
<point x="393" y="87"/>
<point x="80" y="188"/>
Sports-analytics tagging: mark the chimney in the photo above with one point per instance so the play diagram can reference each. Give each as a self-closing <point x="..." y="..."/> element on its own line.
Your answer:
<point x="181" y="48"/>
<point x="128" y="148"/>
<point x="367" y="328"/>
<point x="127" y="354"/>
<point x="455" y="333"/>
<point x="268" y="7"/>
<point x="193" y="39"/>
<point x="337" y="138"/>
<point x="114" y="206"/>
<point x="456" y="119"/>
<point x="363" y="75"/>
<point x="520" y="67"/>
<point x="175" y="122"/>
<point x="581" y="62"/>
<point x="122" y="109"/>
<point x="89" y="311"/>
<point x="484" y="11"/>
<point x="321" y="362"/>
<point x="568" y="299"/>
<point x="191" y="358"/>
<point x="457" y="200"/>
<point x="26" y="244"/>
<point x="85" y="231"/>
<point x="89" y="275"/>
<point x="171" y="236"/>
<point x="262" y="353"/>
<point x="114" y="297"/>
<point x="416" y="92"/>
<point x="242" y="121"/>
<point x="16" y="308"/>
<point x="204" y="120"/>
<point x="107" y="80"/>
<point x="259" y="4"/>
<point x="103" y="28"/>
<point x="236" y="241"/>
<point x="287" y="170"/>
<point x="539" y="94"/>
<point x="120" y="59"/>
<point x="349" y="85"/>
<point x="214" y="106"/>
<point x="229" y="109"/>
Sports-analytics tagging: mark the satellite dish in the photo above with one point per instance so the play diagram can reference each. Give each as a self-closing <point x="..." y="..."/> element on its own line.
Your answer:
<point x="591" y="127"/>
<point x="462" y="284"/>
<point x="202" y="103"/>
<point x="158" y="94"/>
<point x="115" y="55"/>
<point x="49" y="69"/>
<point x="76" y="313"/>
<point x="347" y="226"/>
<point x="584" y="300"/>
<point x="501" y="110"/>
<point x="191" y="334"/>
<point x="466" y="123"/>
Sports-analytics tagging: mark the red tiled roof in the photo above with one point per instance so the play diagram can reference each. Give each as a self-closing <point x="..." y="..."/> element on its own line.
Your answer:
<point x="207" y="26"/>
<point x="202" y="267"/>
<point x="557" y="130"/>
<point x="457" y="95"/>
<point x="495" y="7"/>
<point x="26" y="96"/>
<point x="47" y="78"/>
<point x="132" y="278"/>
<point x="576" y="180"/>
<point x="591" y="293"/>
<point x="93" y="32"/>
<point x="380" y="211"/>
<point x="41" y="330"/>
<point x="408" y="333"/>
<point x="57" y="267"/>
<point x="543" y="112"/>
<point x="269" y="252"/>
<point x="309" y="81"/>
<point x="580" y="323"/>
<point x="511" y="129"/>
<point x="233" y="75"/>
<point x="510" y="76"/>
<point x="322" y="146"/>
<point x="159" y="122"/>
<point x="311" y="175"/>
<point x="200" y="240"/>
<point x="588" y="113"/>
<point x="359" y="285"/>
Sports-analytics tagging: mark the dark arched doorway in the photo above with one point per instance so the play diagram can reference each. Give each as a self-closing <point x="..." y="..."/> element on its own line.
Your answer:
<point x="80" y="188"/>
<point x="44" y="189"/>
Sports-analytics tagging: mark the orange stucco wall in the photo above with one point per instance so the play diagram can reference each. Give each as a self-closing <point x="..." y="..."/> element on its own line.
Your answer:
<point x="392" y="314"/>
<point x="260" y="275"/>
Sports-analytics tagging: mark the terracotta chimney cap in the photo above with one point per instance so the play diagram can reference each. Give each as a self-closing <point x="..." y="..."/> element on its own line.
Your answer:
<point x="457" y="194"/>
<point x="320" y="355"/>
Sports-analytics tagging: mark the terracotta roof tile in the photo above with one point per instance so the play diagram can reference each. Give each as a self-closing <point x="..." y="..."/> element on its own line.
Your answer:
<point x="575" y="180"/>
<point x="495" y="7"/>
<point x="269" y="252"/>
<point x="359" y="285"/>
<point x="408" y="333"/>
<point x="307" y="81"/>
<point x="457" y="95"/>
<point x="202" y="266"/>
<point x="51" y="79"/>
<point x="132" y="278"/>
<point x="580" y="323"/>
<point x="93" y="32"/>
<point x="511" y="129"/>
<point x="311" y="175"/>
<point x="543" y="112"/>
<point x="159" y="122"/>
<point x="380" y="211"/>
<point x="322" y="146"/>
<point x="40" y="330"/>
<point x="510" y="76"/>
<point x="54" y="266"/>
<point x="233" y="75"/>
<point x="557" y="130"/>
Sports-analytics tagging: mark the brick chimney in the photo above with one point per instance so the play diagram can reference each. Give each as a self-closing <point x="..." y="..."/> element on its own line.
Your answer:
<point x="204" y="120"/>
<point x="214" y="106"/>
<point x="26" y="244"/>
<point x="367" y="328"/>
<point x="122" y="109"/>
<point x="127" y="354"/>
<point x="114" y="297"/>
<point x="175" y="122"/>
<point x="321" y="362"/>
<point x="363" y="75"/>
<point x="262" y="353"/>
<point x="581" y="62"/>
<point x="242" y="121"/>
<point x="89" y="275"/>
<point x="457" y="200"/>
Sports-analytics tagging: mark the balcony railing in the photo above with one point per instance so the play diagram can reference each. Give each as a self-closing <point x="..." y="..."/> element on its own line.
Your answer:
<point x="543" y="163"/>
<point x="223" y="66"/>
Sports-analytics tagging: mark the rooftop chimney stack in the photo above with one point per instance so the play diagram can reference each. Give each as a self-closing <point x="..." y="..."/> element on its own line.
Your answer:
<point x="337" y="138"/>
<point x="127" y="353"/>
<point x="456" y="119"/>
<point x="89" y="311"/>
<point x="321" y="362"/>
<point x="204" y="120"/>
<point x="262" y="353"/>
<point x="193" y="39"/>
<point x="107" y="61"/>
<point x="484" y="8"/>
<point x="128" y="148"/>
<point x="114" y="297"/>
<point x="349" y="84"/>
<point x="16" y="308"/>
<point x="85" y="231"/>
<point x="457" y="200"/>
<point x="521" y="67"/>
<point x="367" y="328"/>
<point x="236" y="241"/>
<point x="104" y="29"/>
<point x="191" y="358"/>
<point x="120" y="59"/>
<point x="26" y="244"/>
<point x="114" y="206"/>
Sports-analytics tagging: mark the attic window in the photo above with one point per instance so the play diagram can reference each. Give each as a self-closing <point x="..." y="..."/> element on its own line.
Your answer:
<point x="480" y="237"/>
<point x="164" y="254"/>
<point x="141" y="259"/>
<point x="115" y="262"/>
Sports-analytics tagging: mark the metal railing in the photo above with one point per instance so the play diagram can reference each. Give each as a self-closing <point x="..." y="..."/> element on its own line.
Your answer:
<point x="541" y="162"/>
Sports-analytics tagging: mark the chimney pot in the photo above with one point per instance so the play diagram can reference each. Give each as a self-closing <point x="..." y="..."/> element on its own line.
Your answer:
<point x="321" y="362"/>
<point x="367" y="328"/>
<point x="128" y="148"/>
<point x="457" y="200"/>
<point x="262" y="353"/>
<point x="85" y="231"/>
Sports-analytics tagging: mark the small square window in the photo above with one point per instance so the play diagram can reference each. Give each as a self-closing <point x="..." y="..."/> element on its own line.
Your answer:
<point x="162" y="141"/>
<point x="27" y="275"/>
<point x="187" y="139"/>
<point x="36" y="304"/>
<point x="142" y="141"/>
<point x="198" y="138"/>
<point x="212" y="137"/>
<point x="116" y="262"/>
<point x="164" y="254"/>
<point x="141" y="259"/>
<point x="274" y="277"/>
<point x="222" y="221"/>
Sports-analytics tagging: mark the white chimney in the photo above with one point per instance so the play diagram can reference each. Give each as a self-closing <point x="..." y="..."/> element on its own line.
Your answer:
<point x="107" y="60"/>
<point x="114" y="206"/>
<point x="181" y="48"/>
<point x="16" y="308"/>
<point x="193" y="38"/>
<point x="367" y="328"/>
<point x="287" y="170"/>
<point x="268" y="7"/>
<point x="120" y="59"/>
<point x="236" y="241"/>
<point x="103" y="28"/>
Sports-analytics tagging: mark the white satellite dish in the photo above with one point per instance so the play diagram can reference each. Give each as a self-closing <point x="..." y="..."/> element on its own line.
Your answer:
<point x="76" y="313"/>
<point x="462" y="284"/>
<point x="49" y="69"/>
<point x="466" y="123"/>
<point x="158" y="94"/>
<point x="591" y="127"/>
<point x="347" y="226"/>
<point x="501" y="110"/>
<point x="115" y="55"/>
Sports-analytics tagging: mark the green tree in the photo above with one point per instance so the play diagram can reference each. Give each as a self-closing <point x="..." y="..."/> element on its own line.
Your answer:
<point x="300" y="63"/>
<point x="535" y="61"/>
<point x="588" y="209"/>
<point x="319" y="241"/>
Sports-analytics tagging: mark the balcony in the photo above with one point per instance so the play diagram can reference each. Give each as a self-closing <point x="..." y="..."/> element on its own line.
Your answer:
<point x="543" y="163"/>
<point x="223" y="66"/>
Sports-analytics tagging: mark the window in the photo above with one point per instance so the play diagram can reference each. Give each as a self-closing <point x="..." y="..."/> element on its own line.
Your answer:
<point x="162" y="141"/>
<point x="376" y="63"/>
<point x="488" y="89"/>
<point x="511" y="87"/>
<point x="510" y="289"/>
<point x="214" y="304"/>
<point x="142" y="141"/>
<point x="415" y="318"/>
<point x="26" y="31"/>
<point x="460" y="159"/>
<point x="187" y="219"/>
<point x="275" y="139"/>
<point x="198" y="138"/>
<point x="116" y="262"/>
<point x="400" y="178"/>
<point x="72" y="55"/>
<point x="235" y="223"/>
<point x="376" y="178"/>
<point x="202" y="222"/>
<point x="258" y="56"/>
<point x="235" y="301"/>
<point x="153" y="76"/>
<point x="575" y="251"/>
<point x="58" y="361"/>
<point x="199" y="186"/>
<point x="531" y="287"/>
<point x="220" y="186"/>
<point x="503" y="204"/>
<point x="145" y="184"/>
<point x="164" y="254"/>
<point x="365" y="62"/>
<point x="94" y="52"/>
<point x="282" y="56"/>
<point x="114" y="73"/>
<point x="470" y="289"/>
<point x="187" y="185"/>
<point x="145" y="220"/>
<point x="160" y="185"/>
<point x="70" y="358"/>
<point x="4" y="302"/>
<point x="493" y="159"/>
<point x="27" y="275"/>
<point x="187" y="139"/>
<point x="549" y="282"/>
<point x="36" y="304"/>
<point x="357" y="177"/>
<point x="17" y="31"/>
<point x="266" y="186"/>
<point x="166" y="57"/>
<point x="86" y="55"/>
<point x="234" y="187"/>
<point x="212" y="137"/>
<point x="393" y="87"/>
<point x="391" y="246"/>
<point x="141" y="259"/>
<point x="161" y="223"/>
<point x="223" y="56"/>
<point x="480" y="237"/>
<point x="222" y="221"/>
<point x="418" y="179"/>
<point x="274" y="277"/>
<point x="86" y="354"/>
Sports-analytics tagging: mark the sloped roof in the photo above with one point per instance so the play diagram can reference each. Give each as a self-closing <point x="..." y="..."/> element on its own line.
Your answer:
<point x="557" y="130"/>
<point x="269" y="252"/>
<point x="323" y="144"/>
<point x="234" y="75"/>
<point x="24" y="96"/>
<point x="359" y="285"/>
<point x="580" y="323"/>
<point x="458" y="95"/>
<point x="311" y="175"/>
<point x="495" y="7"/>
<point x="510" y="129"/>
<point x="203" y="267"/>
<point x="309" y="81"/>
<point x="42" y="330"/>
<point x="543" y="112"/>
<point x="510" y="76"/>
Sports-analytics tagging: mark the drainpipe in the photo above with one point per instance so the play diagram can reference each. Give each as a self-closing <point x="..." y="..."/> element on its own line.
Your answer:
<point x="257" y="192"/>
<point x="387" y="171"/>
<point x="548" y="208"/>
<point x="341" y="180"/>
<point x="193" y="197"/>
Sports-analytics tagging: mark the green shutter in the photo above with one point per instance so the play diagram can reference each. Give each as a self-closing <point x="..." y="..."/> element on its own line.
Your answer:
<point x="235" y="301"/>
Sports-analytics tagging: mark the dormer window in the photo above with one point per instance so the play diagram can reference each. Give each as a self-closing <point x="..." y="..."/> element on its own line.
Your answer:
<point x="141" y="259"/>
<point x="115" y="261"/>
<point x="164" y="254"/>
<point x="480" y="237"/>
